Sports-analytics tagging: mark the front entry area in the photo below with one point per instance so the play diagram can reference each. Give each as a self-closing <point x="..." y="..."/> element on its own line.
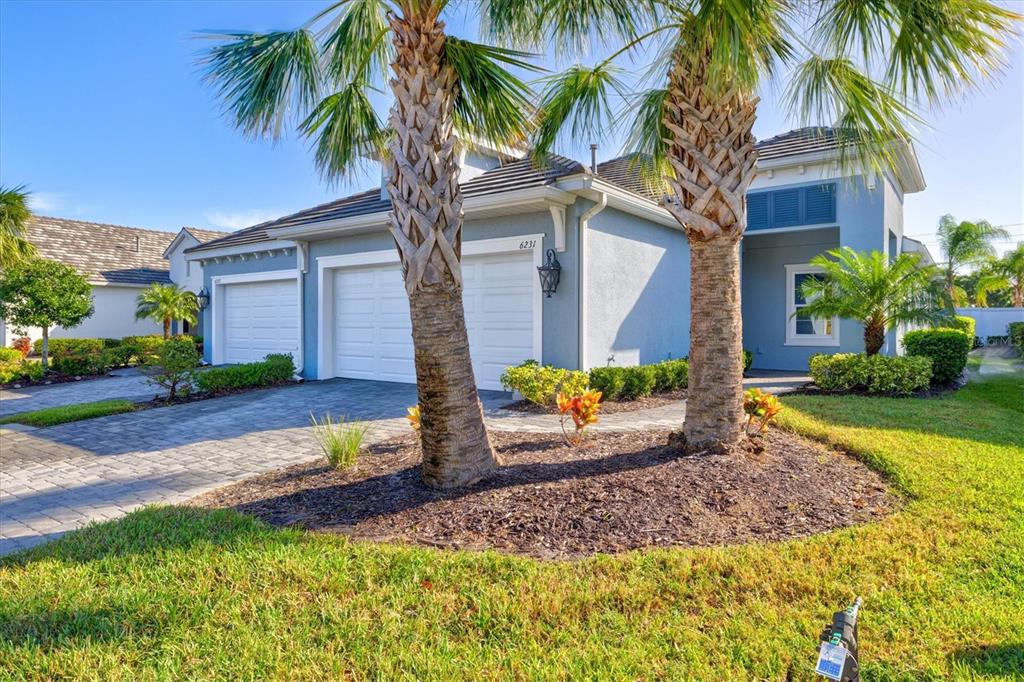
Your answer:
<point x="369" y="333"/>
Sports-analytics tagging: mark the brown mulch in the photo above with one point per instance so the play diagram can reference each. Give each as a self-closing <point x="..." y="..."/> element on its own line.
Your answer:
<point x="620" y="491"/>
<point x="607" y="406"/>
<point x="53" y="378"/>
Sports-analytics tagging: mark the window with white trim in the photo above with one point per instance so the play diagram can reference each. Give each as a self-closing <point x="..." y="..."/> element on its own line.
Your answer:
<point x="804" y="330"/>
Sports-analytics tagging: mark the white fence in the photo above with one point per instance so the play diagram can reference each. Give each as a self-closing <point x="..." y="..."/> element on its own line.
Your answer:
<point x="992" y="321"/>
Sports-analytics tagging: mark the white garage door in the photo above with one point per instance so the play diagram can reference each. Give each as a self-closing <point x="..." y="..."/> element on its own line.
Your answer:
<point x="373" y="335"/>
<point x="260" y="318"/>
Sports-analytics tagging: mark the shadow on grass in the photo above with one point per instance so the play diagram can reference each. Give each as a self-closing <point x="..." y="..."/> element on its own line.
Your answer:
<point x="999" y="660"/>
<point x="52" y="629"/>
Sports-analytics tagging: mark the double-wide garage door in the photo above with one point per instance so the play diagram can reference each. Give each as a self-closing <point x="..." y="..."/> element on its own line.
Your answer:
<point x="373" y="334"/>
<point x="260" y="318"/>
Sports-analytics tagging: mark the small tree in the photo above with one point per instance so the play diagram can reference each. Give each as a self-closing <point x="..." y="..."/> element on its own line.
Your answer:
<point x="166" y="302"/>
<point x="14" y="214"/>
<point x="879" y="294"/>
<point x="1003" y="274"/>
<point x="44" y="293"/>
<point x="965" y="243"/>
<point x="174" y="366"/>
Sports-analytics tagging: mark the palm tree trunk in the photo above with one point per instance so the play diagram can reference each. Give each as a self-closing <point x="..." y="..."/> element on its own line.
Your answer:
<point x="874" y="337"/>
<point x="426" y="223"/>
<point x="167" y="328"/>
<point x="712" y="154"/>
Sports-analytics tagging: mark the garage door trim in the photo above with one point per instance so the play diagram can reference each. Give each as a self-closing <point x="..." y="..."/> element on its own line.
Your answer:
<point x="326" y="265"/>
<point x="217" y="308"/>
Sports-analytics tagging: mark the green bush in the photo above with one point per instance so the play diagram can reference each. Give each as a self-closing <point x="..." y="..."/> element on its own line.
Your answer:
<point x="963" y="323"/>
<point x="85" y="364"/>
<point x="112" y="343"/>
<point x="947" y="349"/>
<point x="339" y="441"/>
<point x="880" y="374"/>
<point x="639" y="382"/>
<point x="1015" y="333"/>
<point x="748" y="360"/>
<point x="145" y="348"/>
<point x="608" y="380"/>
<point x="541" y="383"/>
<point x="671" y="375"/>
<point x="14" y="368"/>
<point x="274" y="369"/>
<point x="59" y="347"/>
<point x="9" y="355"/>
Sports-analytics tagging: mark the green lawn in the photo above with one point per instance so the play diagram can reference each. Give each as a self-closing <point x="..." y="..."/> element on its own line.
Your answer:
<point x="52" y="416"/>
<point x="174" y="593"/>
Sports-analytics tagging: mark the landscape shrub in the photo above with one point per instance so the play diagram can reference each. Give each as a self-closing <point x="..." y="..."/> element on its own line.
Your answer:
<point x="748" y="360"/>
<point x="339" y="441"/>
<point x="144" y="348"/>
<point x="879" y="374"/>
<point x="174" y="366"/>
<point x="9" y="355"/>
<point x="119" y="356"/>
<point x="608" y="380"/>
<point x="963" y="323"/>
<point x="671" y="375"/>
<point x="582" y="410"/>
<point x="113" y="343"/>
<point x="273" y="369"/>
<point x="19" y="371"/>
<point x="82" y="364"/>
<point x="23" y="345"/>
<point x="59" y="347"/>
<point x="761" y="406"/>
<point x="1015" y="334"/>
<point x="541" y="383"/>
<point x="947" y="349"/>
<point x="639" y="382"/>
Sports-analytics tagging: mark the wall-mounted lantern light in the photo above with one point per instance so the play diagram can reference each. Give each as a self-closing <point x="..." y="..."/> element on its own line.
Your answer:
<point x="549" y="273"/>
<point x="203" y="298"/>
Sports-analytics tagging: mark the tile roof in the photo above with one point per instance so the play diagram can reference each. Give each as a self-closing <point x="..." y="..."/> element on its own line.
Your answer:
<point x="111" y="254"/>
<point x="623" y="171"/>
<point x="204" y="235"/>
<point x="799" y="141"/>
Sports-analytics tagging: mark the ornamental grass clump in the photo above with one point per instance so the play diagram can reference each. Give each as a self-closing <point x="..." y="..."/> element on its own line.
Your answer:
<point x="340" y="441"/>
<point x="582" y="410"/>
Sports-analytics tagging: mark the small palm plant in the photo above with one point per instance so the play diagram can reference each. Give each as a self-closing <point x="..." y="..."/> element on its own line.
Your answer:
<point x="1001" y="274"/>
<point x="340" y="441"/>
<point x="165" y="303"/>
<point x="14" y="214"/>
<point x="877" y="293"/>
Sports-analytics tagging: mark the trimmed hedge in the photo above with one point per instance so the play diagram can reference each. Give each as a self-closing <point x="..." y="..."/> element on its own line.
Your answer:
<point x="274" y="369"/>
<point x="1015" y="332"/>
<point x="540" y="384"/>
<point x="963" y="323"/>
<point x="59" y="347"/>
<point x="878" y="374"/>
<point x="630" y="383"/>
<point x="671" y="375"/>
<point x="947" y="349"/>
<point x="748" y="360"/>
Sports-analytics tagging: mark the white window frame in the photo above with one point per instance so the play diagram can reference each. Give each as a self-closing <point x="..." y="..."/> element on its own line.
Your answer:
<point x="792" y="338"/>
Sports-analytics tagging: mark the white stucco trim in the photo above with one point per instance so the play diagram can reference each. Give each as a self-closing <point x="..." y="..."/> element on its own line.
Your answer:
<point x="326" y="265"/>
<point x="791" y="228"/>
<point x="217" y="285"/>
<point x="227" y="252"/>
<point x="581" y="258"/>
<point x="792" y="338"/>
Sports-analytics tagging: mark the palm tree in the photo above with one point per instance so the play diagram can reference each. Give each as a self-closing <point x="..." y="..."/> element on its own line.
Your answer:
<point x="856" y="65"/>
<point x="965" y="243"/>
<point x="14" y="213"/>
<point x="877" y="293"/>
<point x="1006" y="273"/>
<point x="442" y="88"/>
<point x="165" y="303"/>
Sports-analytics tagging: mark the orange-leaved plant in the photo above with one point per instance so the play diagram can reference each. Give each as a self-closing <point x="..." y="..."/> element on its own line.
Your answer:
<point x="761" y="406"/>
<point x="413" y="415"/>
<point x="582" y="409"/>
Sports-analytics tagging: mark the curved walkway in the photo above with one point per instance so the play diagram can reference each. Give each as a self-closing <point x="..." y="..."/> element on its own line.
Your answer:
<point x="60" y="478"/>
<point x="127" y="384"/>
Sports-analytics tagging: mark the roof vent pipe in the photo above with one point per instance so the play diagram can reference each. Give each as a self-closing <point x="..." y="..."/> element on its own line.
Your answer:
<point x="593" y="157"/>
<point x="138" y="243"/>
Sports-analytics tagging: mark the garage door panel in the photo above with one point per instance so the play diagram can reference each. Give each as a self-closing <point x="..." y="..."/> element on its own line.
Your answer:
<point x="260" y="318"/>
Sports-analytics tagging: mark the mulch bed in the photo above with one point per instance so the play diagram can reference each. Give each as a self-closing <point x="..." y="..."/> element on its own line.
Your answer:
<point x="53" y="378"/>
<point x="620" y="491"/>
<point x="607" y="406"/>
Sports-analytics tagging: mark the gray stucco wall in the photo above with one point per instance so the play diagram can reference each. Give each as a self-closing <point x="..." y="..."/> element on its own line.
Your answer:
<point x="638" y="291"/>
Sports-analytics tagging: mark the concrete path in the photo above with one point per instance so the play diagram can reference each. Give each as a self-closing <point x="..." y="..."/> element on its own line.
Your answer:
<point x="128" y="384"/>
<point x="997" y="360"/>
<point x="60" y="478"/>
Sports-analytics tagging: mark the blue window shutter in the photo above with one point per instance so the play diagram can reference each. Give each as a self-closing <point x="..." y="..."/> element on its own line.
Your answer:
<point x="820" y="201"/>
<point x="786" y="210"/>
<point x="757" y="211"/>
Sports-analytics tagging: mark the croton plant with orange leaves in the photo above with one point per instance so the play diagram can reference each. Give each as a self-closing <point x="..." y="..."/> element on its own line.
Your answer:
<point x="582" y="409"/>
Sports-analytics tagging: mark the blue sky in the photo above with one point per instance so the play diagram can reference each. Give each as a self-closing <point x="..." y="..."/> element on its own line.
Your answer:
<point x="104" y="115"/>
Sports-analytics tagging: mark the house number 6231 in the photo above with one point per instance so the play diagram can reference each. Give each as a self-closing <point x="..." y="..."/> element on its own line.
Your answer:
<point x="528" y="244"/>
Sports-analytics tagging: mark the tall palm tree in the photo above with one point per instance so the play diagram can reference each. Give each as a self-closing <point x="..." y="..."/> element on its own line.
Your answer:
<point x="858" y="65"/>
<point x="965" y="243"/>
<point x="1006" y="273"/>
<point x="877" y="293"/>
<point x="166" y="303"/>
<point x="14" y="213"/>
<point x="442" y="87"/>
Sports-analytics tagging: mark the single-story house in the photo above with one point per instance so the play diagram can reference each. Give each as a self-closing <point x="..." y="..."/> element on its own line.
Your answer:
<point x="118" y="262"/>
<point x="324" y="284"/>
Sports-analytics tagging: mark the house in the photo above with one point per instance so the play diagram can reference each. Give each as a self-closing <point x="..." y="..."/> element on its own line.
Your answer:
<point x="185" y="273"/>
<point x="118" y="262"/>
<point x="324" y="284"/>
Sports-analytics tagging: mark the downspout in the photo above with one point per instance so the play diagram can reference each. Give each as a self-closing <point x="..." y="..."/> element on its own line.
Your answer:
<point x="301" y="267"/>
<point x="602" y="202"/>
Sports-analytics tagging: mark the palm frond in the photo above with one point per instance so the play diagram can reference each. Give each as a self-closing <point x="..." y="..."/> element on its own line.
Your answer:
<point x="567" y="25"/>
<point x="576" y="101"/>
<point x="352" y="44"/>
<point x="263" y="77"/>
<point x="853" y="27"/>
<point x="647" y="139"/>
<point x="14" y="214"/>
<point x="346" y="131"/>
<point x="491" y="102"/>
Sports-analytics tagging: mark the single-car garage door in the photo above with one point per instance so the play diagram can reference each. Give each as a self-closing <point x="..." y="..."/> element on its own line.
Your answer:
<point x="373" y="335"/>
<point x="260" y="318"/>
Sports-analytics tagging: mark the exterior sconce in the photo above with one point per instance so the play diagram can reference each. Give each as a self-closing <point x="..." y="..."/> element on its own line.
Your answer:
<point x="549" y="273"/>
<point x="203" y="298"/>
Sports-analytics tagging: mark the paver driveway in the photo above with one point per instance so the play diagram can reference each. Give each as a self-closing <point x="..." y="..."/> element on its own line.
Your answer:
<point x="128" y="384"/>
<point x="57" y="479"/>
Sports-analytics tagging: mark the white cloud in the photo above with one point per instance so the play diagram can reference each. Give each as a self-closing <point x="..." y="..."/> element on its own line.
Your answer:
<point x="41" y="202"/>
<point x="238" y="219"/>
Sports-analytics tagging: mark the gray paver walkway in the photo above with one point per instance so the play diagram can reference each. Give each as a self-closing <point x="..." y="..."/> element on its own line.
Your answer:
<point x="57" y="479"/>
<point x="128" y="384"/>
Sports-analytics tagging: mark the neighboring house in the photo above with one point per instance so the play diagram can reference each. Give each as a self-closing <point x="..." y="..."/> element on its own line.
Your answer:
<point x="324" y="284"/>
<point x="188" y="274"/>
<point x="118" y="262"/>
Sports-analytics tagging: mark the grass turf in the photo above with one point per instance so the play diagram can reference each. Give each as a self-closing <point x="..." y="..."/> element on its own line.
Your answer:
<point x="181" y="593"/>
<point x="51" y="416"/>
